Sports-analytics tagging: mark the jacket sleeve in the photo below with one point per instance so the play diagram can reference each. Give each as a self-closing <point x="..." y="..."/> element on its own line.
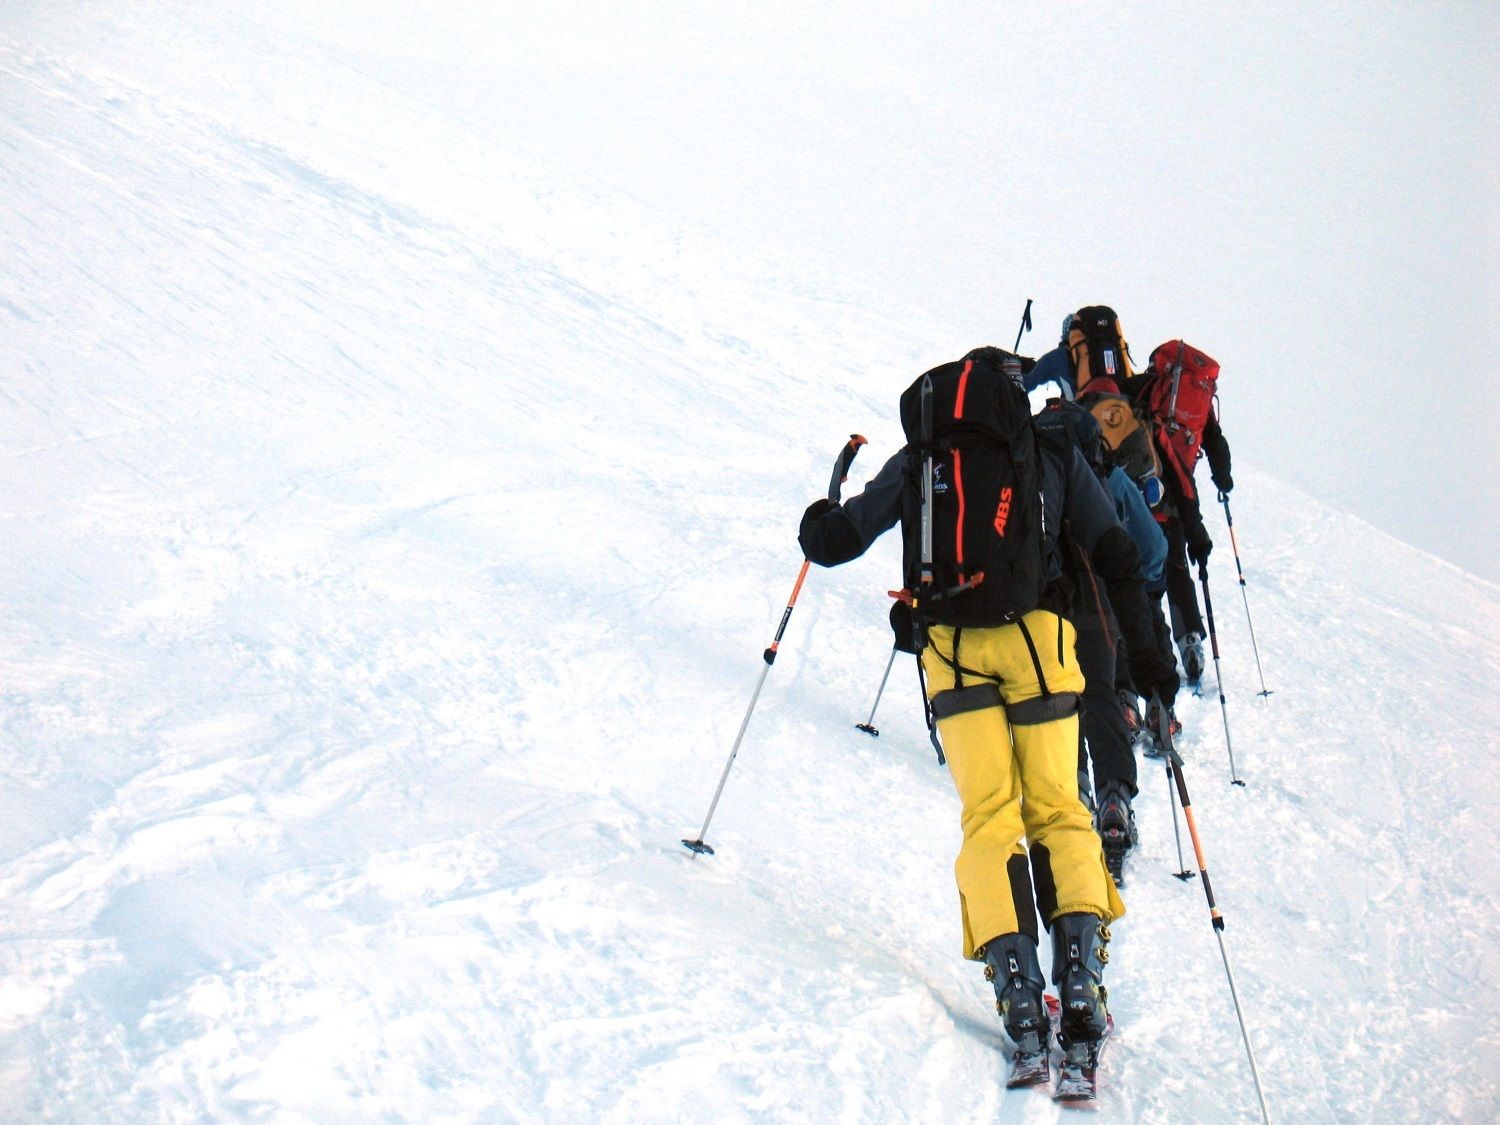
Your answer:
<point x="1216" y="449"/>
<point x="1113" y="555"/>
<point x="1144" y="531"/>
<point x="1052" y="367"/>
<point x="831" y="534"/>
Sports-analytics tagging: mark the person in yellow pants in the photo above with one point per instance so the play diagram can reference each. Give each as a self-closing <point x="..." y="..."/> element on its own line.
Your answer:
<point x="1014" y="763"/>
<point x="1006" y="705"/>
<point x="1005" y="697"/>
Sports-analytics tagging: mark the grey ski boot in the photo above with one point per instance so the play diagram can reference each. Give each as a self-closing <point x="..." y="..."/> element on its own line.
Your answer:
<point x="1010" y="963"/>
<point x="1079" y="955"/>
<point x="1191" y="648"/>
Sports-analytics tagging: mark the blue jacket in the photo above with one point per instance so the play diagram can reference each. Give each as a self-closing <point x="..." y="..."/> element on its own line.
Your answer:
<point x="1053" y="367"/>
<point x="1131" y="507"/>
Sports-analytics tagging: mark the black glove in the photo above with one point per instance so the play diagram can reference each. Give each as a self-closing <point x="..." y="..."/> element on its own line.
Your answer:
<point x="1224" y="482"/>
<point x="1198" y="543"/>
<point x="1151" y="673"/>
<point x="827" y="535"/>
<point x="903" y="627"/>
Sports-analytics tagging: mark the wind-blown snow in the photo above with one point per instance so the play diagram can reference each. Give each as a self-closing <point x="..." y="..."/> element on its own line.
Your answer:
<point x="392" y="537"/>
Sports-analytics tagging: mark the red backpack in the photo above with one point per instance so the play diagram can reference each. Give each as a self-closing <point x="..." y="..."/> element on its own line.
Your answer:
<point x="1179" y="400"/>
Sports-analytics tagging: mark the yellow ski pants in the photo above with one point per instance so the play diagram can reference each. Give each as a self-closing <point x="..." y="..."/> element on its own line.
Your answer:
<point x="1016" y="771"/>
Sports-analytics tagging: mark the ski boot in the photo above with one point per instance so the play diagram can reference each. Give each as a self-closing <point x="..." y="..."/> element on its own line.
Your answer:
<point x="1191" y="647"/>
<point x="1115" y="823"/>
<point x="1142" y="737"/>
<point x="1079" y="955"/>
<point x="1010" y="963"/>
<point x="1153" y="724"/>
<point x="1130" y="706"/>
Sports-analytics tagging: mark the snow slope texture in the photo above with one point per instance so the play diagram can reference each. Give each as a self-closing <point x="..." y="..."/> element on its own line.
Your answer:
<point x="386" y="572"/>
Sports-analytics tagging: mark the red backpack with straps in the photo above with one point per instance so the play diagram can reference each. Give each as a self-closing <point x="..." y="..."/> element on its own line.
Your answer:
<point x="1179" y="400"/>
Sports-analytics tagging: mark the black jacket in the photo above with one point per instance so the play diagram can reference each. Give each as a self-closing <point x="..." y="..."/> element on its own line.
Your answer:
<point x="1075" y="508"/>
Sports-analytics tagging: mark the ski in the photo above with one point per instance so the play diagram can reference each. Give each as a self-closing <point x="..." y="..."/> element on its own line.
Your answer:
<point x="1078" y="1073"/>
<point x="1029" y="1068"/>
<point x="1031" y="1063"/>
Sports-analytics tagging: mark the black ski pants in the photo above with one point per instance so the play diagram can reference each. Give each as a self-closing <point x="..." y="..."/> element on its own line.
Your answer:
<point x="1162" y="630"/>
<point x="1103" y="736"/>
<point x="1182" y="594"/>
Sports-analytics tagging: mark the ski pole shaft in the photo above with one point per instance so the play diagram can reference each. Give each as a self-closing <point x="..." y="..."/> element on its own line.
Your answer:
<point x="868" y="726"/>
<point x="1182" y="871"/>
<point x="698" y="846"/>
<point x="1240" y="570"/>
<point x="1260" y="1093"/>
<point x="1175" y="767"/>
<point x="1025" y="325"/>
<point x="1213" y="639"/>
<point x="1156" y="708"/>
<point x="840" y="474"/>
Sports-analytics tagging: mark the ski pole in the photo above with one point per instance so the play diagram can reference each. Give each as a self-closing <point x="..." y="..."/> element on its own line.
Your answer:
<point x="1233" y="542"/>
<point x="840" y="475"/>
<point x="1174" y="766"/>
<point x="1213" y="638"/>
<point x="1025" y="325"/>
<point x="868" y="726"/>
<point x="1182" y="871"/>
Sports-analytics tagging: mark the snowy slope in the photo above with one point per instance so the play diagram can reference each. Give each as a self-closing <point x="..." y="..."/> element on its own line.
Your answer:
<point x="392" y="538"/>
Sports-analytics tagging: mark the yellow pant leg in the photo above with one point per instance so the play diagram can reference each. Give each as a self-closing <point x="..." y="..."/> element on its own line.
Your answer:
<point x="1039" y="760"/>
<point x="1067" y="860"/>
<point x="977" y="746"/>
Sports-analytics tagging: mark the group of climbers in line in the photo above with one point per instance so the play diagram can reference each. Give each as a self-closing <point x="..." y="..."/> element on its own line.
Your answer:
<point x="1035" y="554"/>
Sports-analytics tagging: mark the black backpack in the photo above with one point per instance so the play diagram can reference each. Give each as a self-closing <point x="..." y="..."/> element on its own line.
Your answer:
<point x="971" y="519"/>
<point x="1097" y="348"/>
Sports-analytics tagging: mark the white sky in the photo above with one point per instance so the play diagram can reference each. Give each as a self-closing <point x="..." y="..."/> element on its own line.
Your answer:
<point x="1307" y="192"/>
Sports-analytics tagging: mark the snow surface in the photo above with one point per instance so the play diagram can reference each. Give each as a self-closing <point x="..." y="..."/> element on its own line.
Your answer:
<point x="394" y="524"/>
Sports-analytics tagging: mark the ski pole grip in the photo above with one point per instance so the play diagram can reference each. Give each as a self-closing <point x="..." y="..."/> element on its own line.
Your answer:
<point x="841" y="467"/>
<point x="1025" y="325"/>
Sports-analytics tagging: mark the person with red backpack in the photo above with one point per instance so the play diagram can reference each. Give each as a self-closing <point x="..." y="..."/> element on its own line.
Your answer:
<point x="981" y="503"/>
<point x="1179" y="393"/>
